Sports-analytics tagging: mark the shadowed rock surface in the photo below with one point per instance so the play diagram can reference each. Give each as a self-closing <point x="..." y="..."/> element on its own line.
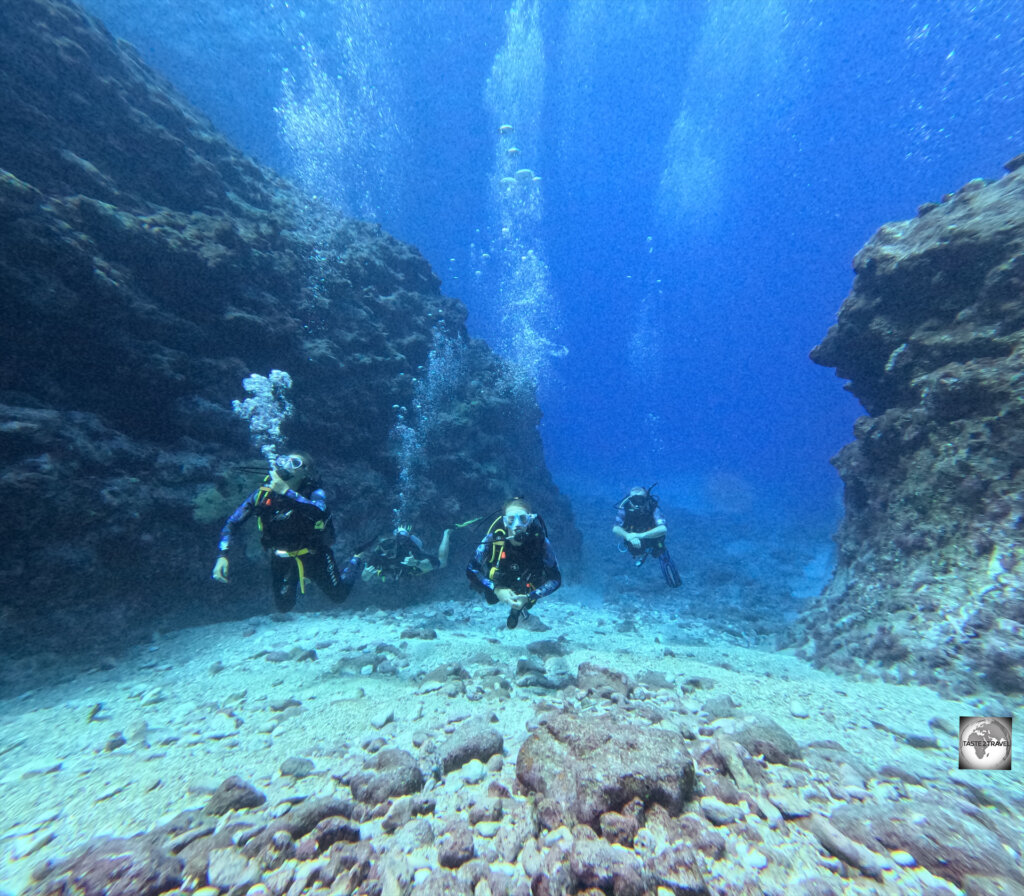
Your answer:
<point x="930" y="578"/>
<point x="146" y="268"/>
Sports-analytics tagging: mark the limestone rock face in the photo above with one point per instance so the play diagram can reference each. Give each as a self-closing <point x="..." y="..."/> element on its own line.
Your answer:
<point x="930" y="578"/>
<point x="146" y="268"/>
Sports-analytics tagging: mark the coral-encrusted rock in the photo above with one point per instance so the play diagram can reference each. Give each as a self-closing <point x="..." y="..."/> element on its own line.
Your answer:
<point x="455" y="845"/>
<point x="302" y="819"/>
<point x="595" y="764"/>
<point x="112" y="866"/>
<point x="146" y="268"/>
<point x="606" y="866"/>
<point x="390" y="773"/>
<point x="471" y="740"/>
<point x="931" y="573"/>
<point x="326" y="833"/>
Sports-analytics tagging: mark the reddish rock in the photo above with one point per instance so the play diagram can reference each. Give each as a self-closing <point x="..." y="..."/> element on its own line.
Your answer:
<point x="678" y="869"/>
<point x="388" y="774"/>
<point x="331" y="830"/>
<point x="595" y="764"/>
<point x="302" y="819"/>
<point x="606" y="866"/>
<point x="471" y="740"/>
<point x="763" y="737"/>
<point x="455" y="845"/>
<point x="109" y="866"/>
<point x="355" y="860"/>
<point x="616" y="827"/>
<point x="234" y="793"/>
<point x="490" y="810"/>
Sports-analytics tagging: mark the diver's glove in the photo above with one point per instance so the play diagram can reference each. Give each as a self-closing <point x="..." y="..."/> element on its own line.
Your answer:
<point x="220" y="569"/>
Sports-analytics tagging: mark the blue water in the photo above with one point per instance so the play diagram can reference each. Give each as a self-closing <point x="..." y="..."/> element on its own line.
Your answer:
<point x="707" y="170"/>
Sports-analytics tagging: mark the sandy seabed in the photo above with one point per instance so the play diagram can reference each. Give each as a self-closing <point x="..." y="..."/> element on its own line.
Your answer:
<point x="124" y="747"/>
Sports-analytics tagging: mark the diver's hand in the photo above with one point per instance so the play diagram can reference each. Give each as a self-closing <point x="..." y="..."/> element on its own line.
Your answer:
<point x="277" y="484"/>
<point x="369" y="573"/>
<point x="220" y="570"/>
<point x="506" y="596"/>
<point x="634" y="540"/>
<point x="413" y="563"/>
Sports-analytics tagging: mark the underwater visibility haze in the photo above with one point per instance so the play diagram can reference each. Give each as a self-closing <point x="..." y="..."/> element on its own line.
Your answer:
<point x="707" y="172"/>
<point x="299" y="293"/>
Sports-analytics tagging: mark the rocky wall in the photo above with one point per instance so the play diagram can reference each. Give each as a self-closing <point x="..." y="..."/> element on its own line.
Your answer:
<point x="146" y="268"/>
<point x="930" y="579"/>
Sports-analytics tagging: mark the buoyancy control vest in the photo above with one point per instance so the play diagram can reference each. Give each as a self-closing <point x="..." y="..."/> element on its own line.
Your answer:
<point x="638" y="512"/>
<point x="519" y="567"/>
<point x="287" y="525"/>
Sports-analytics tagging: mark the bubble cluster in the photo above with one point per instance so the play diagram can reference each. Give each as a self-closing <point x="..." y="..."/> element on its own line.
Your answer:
<point x="433" y="393"/>
<point x="335" y="115"/>
<point x="266" y="409"/>
<point x="516" y="259"/>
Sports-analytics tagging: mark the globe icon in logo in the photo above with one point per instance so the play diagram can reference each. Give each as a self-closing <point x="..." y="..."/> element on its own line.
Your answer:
<point x="985" y="743"/>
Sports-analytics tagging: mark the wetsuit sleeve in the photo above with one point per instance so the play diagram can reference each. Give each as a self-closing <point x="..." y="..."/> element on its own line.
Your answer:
<point x="315" y="506"/>
<point x="552" y="575"/>
<point x="659" y="518"/>
<point x="620" y="517"/>
<point x="241" y="514"/>
<point x="476" y="572"/>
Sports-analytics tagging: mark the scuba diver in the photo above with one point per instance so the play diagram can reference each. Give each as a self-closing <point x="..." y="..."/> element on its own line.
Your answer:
<point x="295" y="529"/>
<point x="389" y="557"/>
<point x="641" y="526"/>
<point x="515" y="563"/>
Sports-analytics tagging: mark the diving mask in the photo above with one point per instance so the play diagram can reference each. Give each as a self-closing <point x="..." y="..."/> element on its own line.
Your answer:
<point x="287" y="465"/>
<point x="517" y="523"/>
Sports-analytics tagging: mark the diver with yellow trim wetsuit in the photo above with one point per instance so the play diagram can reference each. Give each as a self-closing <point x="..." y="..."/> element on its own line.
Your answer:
<point x="295" y="530"/>
<point x="515" y="563"/>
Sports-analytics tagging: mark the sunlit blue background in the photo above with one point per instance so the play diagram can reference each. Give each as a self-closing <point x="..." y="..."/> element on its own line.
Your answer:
<point x="708" y="170"/>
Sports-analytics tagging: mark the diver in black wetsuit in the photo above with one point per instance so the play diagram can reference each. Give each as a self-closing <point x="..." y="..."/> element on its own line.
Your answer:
<point x="295" y="530"/>
<point x="641" y="526"/>
<point x="390" y="557"/>
<point x="515" y="563"/>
